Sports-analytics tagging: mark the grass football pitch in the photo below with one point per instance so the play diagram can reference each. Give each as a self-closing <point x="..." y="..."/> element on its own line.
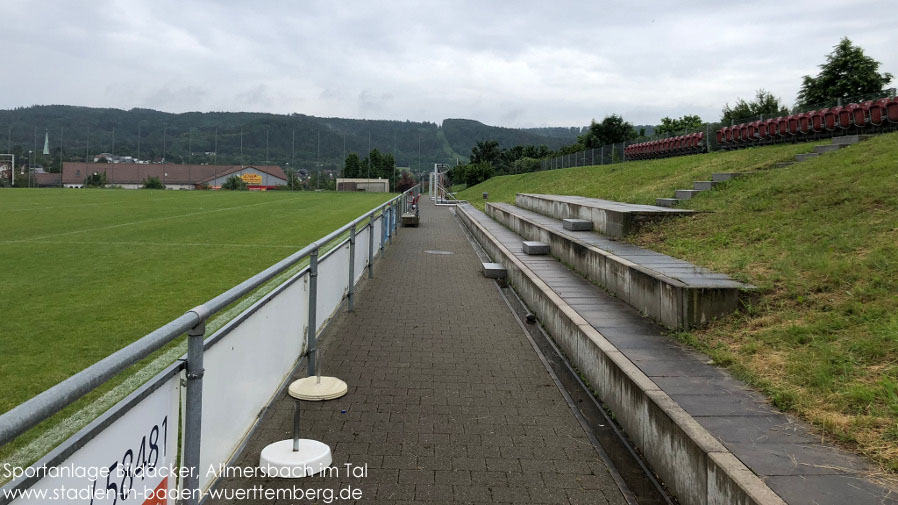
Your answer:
<point x="86" y="272"/>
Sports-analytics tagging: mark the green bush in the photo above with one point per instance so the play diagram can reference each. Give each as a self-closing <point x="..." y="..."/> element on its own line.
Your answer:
<point x="234" y="183"/>
<point x="96" y="180"/>
<point x="153" y="183"/>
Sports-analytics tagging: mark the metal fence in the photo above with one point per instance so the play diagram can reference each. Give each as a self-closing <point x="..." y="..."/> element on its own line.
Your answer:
<point x="216" y="391"/>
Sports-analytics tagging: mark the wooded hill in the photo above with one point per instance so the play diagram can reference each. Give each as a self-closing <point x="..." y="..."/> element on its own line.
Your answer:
<point x="215" y="137"/>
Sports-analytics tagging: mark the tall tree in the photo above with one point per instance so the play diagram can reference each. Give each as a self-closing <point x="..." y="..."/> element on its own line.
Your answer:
<point x="352" y="166"/>
<point x="681" y="125"/>
<point x="764" y="104"/>
<point x="848" y="72"/>
<point x="486" y="151"/>
<point x="611" y="130"/>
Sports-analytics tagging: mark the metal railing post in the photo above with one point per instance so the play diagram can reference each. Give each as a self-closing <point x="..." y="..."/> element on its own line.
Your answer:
<point x="371" y="247"/>
<point x="313" y="303"/>
<point x="392" y="220"/>
<point x="193" y="415"/>
<point x="350" y="295"/>
<point x="383" y="228"/>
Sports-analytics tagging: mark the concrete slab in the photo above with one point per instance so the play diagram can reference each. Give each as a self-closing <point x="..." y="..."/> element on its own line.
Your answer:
<point x="829" y="490"/>
<point x="777" y="458"/>
<point x="666" y="202"/>
<point x="576" y="224"/>
<point x="686" y="194"/>
<point x="494" y="271"/>
<point x="728" y="176"/>
<point x="703" y="185"/>
<point x="773" y="428"/>
<point x="805" y="156"/>
<point x="535" y="248"/>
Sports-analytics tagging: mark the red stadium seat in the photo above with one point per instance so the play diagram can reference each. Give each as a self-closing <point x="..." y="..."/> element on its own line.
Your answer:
<point x="844" y="116"/>
<point x="830" y="117"/>
<point x="804" y="123"/>
<point x="858" y="114"/>
<point x="816" y="117"/>
<point x="745" y="133"/>
<point x="782" y="127"/>
<point x="772" y="129"/>
<point x="728" y="134"/>
<point x="763" y="133"/>
<point x="720" y="137"/>
<point x="892" y="110"/>
<point x="877" y="112"/>
<point x="792" y="122"/>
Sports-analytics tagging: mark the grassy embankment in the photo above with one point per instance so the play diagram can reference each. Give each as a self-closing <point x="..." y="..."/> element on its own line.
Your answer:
<point x="819" y="239"/>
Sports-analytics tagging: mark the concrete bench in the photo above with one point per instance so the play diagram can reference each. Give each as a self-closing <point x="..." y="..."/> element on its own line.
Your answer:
<point x="671" y="291"/>
<point x="611" y="218"/>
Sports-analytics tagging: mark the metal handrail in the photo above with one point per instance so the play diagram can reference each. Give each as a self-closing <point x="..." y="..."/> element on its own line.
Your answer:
<point x="28" y="414"/>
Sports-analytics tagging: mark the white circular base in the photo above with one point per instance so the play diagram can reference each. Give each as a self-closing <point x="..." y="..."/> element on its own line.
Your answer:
<point x="279" y="460"/>
<point x="316" y="388"/>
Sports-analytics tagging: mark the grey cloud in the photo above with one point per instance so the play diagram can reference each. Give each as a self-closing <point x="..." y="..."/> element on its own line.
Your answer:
<point x="527" y="63"/>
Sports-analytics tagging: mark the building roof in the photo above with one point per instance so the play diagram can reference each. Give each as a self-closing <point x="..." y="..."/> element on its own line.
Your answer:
<point x="170" y="173"/>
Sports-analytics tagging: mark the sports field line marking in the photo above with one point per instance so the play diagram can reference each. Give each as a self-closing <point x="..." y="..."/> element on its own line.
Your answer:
<point x="175" y="244"/>
<point x="38" y="207"/>
<point x="120" y="225"/>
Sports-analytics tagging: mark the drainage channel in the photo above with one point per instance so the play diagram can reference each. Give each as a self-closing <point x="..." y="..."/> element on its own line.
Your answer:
<point x="636" y="481"/>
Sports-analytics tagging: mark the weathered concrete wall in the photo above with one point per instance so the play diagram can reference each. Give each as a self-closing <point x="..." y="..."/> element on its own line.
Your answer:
<point x="608" y="222"/>
<point x="694" y="466"/>
<point x="664" y="299"/>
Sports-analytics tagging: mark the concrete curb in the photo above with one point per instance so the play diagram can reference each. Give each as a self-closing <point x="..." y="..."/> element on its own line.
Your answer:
<point x="693" y="464"/>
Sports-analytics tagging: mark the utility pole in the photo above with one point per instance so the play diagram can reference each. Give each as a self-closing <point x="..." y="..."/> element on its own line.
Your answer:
<point x="61" y="130"/>
<point x="189" y="144"/>
<point x="215" y="152"/>
<point x="87" y="145"/>
<point x="113" y="140"/>
<point x="267" y="157"/>
<point x="138" y="141"/>
<point x="164" y="134"/>
<point x="241" y="148"/>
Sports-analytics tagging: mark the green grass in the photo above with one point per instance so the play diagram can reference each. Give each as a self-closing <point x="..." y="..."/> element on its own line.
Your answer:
<point x="635" y="182"/>
<point x="819" y="239"/>
<point x="87" y="272"/>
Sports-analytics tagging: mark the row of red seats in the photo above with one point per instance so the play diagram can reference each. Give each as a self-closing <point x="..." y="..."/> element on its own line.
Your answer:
<point x="673" y="146"/>
<point x="854" y="117"/>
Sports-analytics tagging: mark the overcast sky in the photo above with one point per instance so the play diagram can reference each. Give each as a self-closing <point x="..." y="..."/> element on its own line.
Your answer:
<point x="516" y="64"/>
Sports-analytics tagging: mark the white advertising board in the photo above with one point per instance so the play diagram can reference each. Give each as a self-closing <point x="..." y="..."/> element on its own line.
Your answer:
<point x="244" y="370"/>
<point x="361" y="254"/>
<point x="129" y="462"/>
<point x="333" y="283"/>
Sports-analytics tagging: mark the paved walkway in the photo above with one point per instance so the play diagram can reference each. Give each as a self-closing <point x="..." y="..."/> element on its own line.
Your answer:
<point x="448" y="402"/>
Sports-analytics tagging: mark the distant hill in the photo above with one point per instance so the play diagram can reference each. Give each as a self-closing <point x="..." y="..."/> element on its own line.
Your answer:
<point x="215" y="137"/>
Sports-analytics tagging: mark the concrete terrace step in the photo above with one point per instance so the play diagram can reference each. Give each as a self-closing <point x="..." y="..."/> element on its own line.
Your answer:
<point x="709" y="437"/>
<point x="784" y="164"/>
<point x="828" y="148"/>
<point x="805" y="156"/>
<point x="666" y="202"/>
<point x="686" y="194"/>
<point x="703" y="185"/>
<point x="671" y="291"/>
<point x="850" y="139"/>
<point x="615" y="219"/>
<point x="728" y="176"/>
